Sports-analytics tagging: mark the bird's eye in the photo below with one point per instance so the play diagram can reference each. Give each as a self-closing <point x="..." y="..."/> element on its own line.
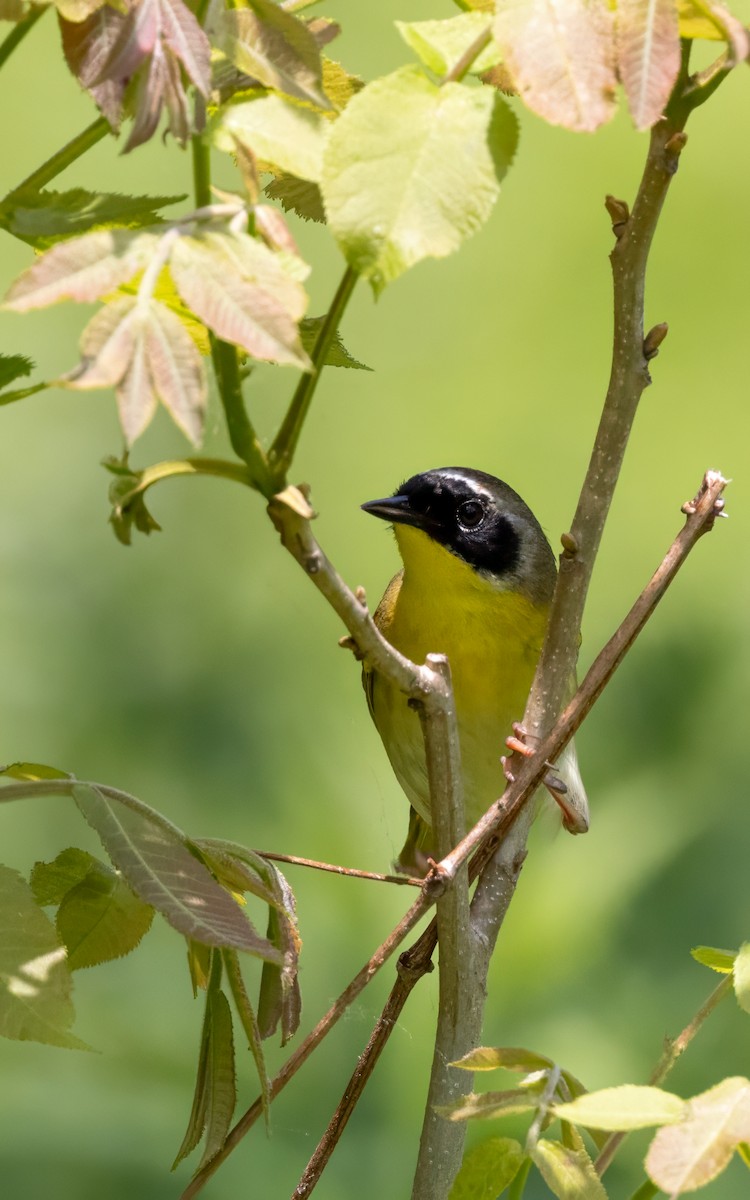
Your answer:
<point x="471" y="514"/>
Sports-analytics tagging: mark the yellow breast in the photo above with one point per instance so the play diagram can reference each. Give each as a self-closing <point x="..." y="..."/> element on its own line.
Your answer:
<point x="492" y="638"/>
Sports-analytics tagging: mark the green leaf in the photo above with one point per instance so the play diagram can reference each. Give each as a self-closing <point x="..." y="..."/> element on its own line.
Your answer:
<point x="483" y="1105"/>
<point x="274" y="47"/>
<point x="297" y="195"/>
<point x="742" y="976"/>
<point x="337" y="354"/>
<point x="14" y="366"/>
<point x="35" y="983"/>
<point x="197" y="1119"/>
<point x="199" y="964"/>
<point x="569" y="1174"/>
<point x="648" y="56"/>
<point x="234" y="872"/>
<point x="250" y="1025"/>
<point x="623" y="1108"/>
<point x="559" y="55"/>
<point x="158" y="866"/>
<point x="221" y="1092"/>
<point x="339" y="86"/>
<point x="82" y="268"/>
<point x="100" y="919"/>
<point x="743" y="1149"/>
<point x="277" y="131"/>
<point x="440" y="44"/>
<point x="487" y="1169"/>
<point x="685" y="1157"/>
<point x="398" y="191"/>
<point x="280" y="1001"/>
<point x="50" y="881"/>
<point x="43" y="218"/>
<point x="241" y="290"/>
<point x="128" y="505"/>
<point x="33" y="771"/>
<point x="718" y="960"/>
<point x="510" y="1058"/>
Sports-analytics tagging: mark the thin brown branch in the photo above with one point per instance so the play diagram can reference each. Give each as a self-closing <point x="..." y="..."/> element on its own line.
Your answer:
<point x="296" y="861"/>
<point x="673" y="1048"/>
<point x="490" y="829"/>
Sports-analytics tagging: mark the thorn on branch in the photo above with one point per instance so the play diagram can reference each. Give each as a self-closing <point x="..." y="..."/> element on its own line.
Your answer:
<point x="653" y="340"/>
<point x="672" y="151"/>
<point x="620" y="214"/>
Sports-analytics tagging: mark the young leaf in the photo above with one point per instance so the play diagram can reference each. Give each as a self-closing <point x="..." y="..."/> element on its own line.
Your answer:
<point x="487" y="1169"/>
<point x="569" y="1174"/>
<point x="87" y="46"/>
<point x="237" y="874"/>
<point x="718" y="960"/>
<point x="511" y="1058"/>
<point x="50" y="881"/>
<point x="33" y="771"/>
<point x="35" y="983"/>
<point x="560" y="58"/>
<point x="42" y="218"/>
<point x="339" y="86"/>
<point x="250" y="1026"/>
<point x="648" y="56"/>
<point x="197" y="1119"/>
<point x="337" y="354"/>
<point x="742" y="976"/>
<point x="275" y="47"/>
<point x="440" y="44"/>
<point x="483" y="1105"/>
<point x="238" y="288"/>
<point x="221" y="1092"/>
<point x="100" y="919"/>
<point x="277" y="131"/>
<point x="397" y="191"/>
<point x="687" y="1156"/>
<point x="280" y="1000"/>
<point x="176" y="370"/>
<point x="714" y="22"/>
<point x="14" y="366"/>
<point x="626" y="1107"/>
<point x="297" y="195"/>
<point x="155" y="861"/>
<point x="82" y="269"/>
<point x="199" y="964"/>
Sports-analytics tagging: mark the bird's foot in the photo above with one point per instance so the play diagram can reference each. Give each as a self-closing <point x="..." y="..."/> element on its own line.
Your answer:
<point x="555" y="786"/>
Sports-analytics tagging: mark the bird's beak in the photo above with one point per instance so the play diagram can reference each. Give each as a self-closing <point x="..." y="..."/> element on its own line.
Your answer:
<point x="398" y="510"/>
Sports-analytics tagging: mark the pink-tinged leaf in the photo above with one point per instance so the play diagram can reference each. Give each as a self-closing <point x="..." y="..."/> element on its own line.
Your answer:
<point x="107" y="346"/>
<point x="559" y="55"/>
<point x="148" y="99"/>
<point x="137" y="39"/>
<point x="685" y="1157"/>
<point x="176" y="101"/>
<point x="87" y="46"/>
<point x="82" y="269"/>
<point x="274" y="230"/>
<point x="176" y="370"/>
<point x="279" y="274"/>
<point x="236" y="310"/>
<point x="136" y="397"/>
<point x="648" y="56"/>
<point x="187" y="41"/>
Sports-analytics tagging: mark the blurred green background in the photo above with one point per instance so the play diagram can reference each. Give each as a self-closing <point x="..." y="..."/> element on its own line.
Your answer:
<point x="200" y="671"/>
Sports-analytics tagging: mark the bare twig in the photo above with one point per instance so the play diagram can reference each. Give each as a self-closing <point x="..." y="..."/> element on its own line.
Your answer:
<point x="296" y="861"/>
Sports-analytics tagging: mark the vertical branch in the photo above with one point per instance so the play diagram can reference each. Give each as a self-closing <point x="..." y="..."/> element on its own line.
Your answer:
<point x="440" y="1148"/>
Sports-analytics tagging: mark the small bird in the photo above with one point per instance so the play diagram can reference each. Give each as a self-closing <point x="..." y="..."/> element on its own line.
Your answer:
<point x="476" y="585"/>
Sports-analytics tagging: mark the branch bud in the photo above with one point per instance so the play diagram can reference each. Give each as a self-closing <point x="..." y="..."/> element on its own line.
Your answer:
<point x="653" y="340"/>
<point x="620" y="214"/>
<point x="672" y="151"/>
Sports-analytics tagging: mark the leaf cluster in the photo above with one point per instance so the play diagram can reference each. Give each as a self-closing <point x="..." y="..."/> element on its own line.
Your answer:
<point x="102" y="910"/>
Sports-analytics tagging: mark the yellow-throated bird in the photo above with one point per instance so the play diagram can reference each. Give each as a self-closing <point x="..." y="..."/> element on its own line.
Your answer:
<point x="476" y="585"/>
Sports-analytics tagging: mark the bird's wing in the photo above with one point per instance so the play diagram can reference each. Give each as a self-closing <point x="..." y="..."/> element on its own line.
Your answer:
<point x="382" y="617"/>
